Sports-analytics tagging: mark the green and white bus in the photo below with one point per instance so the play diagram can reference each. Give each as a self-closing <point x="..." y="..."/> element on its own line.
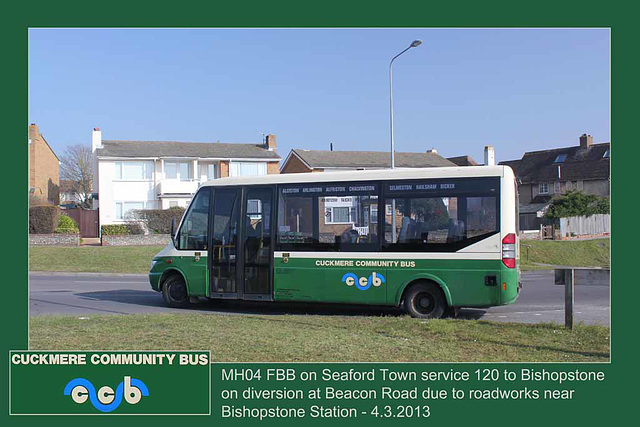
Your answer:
<point x="431" y="240"/>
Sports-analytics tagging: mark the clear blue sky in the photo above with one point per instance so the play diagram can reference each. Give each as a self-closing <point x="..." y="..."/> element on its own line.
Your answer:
<point x="518" y="90"/>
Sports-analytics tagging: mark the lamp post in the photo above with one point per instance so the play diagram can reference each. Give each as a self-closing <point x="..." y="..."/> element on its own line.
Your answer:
<point x="414" y="43"/>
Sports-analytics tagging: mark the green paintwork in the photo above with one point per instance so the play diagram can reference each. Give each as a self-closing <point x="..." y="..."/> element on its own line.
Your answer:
<point x="194" y="272"/>
<point x="462" y="281"/>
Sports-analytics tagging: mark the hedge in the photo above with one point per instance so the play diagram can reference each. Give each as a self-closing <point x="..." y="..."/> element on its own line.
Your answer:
<point x="43" y="219"/>
<point x="114" y="229"/>
<point x="67" y="225"/>
<point x="122" y="229"/>
<point x="159" y="220"/>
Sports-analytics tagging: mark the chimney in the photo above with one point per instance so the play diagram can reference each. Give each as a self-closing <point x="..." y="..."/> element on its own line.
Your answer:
<point x="33" y="131"/>
<point x="586" y="141"/>
<point x="96" y="139"/>
<point x="271" y="142"/>
<point x="432" y="151"/>
<point x="489" y="156"/>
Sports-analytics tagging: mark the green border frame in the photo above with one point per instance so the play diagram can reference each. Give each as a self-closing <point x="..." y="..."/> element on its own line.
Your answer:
<point x="613" y="398"/>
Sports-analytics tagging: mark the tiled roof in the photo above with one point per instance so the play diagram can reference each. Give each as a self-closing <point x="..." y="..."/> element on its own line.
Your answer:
<point x="579" y="164"/>
<point x="463" y="161"/>
<point x="185" y="149"/>
<point x="369" y="159"/>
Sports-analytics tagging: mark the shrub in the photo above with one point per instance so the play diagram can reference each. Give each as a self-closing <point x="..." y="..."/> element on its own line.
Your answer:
<point x="43" y="219"/>
<point x="158" y="220"/>
<point x="135" y="228"/>
<point x="576" y="203"/>
<point x="67" y="225"/>
<point x="114" y="229"/>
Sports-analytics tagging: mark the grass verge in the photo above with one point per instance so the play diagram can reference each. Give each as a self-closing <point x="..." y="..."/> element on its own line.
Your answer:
<point x="311" y="338"/>
<point x="575" y="253"/>
<point x="104" y="259"/>
<point x="136" y="259"/>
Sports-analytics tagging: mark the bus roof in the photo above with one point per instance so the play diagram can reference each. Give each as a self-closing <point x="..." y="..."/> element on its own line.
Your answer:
<point x="365" y="175"/>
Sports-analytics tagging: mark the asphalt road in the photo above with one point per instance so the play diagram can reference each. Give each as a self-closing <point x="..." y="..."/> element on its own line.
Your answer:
<point x="84" y="294"/>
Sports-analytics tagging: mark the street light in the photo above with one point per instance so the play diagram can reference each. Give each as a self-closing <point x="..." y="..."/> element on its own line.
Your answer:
<point x="414" y="43"/>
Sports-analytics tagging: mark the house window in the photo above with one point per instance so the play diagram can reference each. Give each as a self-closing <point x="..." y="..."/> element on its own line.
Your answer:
<point x="557" y="187"/>
<point x="560" y="158"/>
<point x="134" y="171"/>
<point x="543" y="188"/>
<point x="579" y="185"/>
<point x="208" y="171"/>
<point x="374" y="214"/>
<point x="338" y="215"/>
<point x="606" y="154"/>
<point x="185" y="171"/>
<point x="178" y="170"/>
<point x="123" y="209"/>
<point x="247" y="168"/>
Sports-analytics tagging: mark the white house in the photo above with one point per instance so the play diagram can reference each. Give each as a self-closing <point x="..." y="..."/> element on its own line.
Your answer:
<point x="161" y="174"/>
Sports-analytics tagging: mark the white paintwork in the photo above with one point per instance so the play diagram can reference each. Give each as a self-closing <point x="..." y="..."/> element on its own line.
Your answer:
<point x="157" y="192"/>
<point x="366" y="175"/>
<point x="491" y="244"/>
<point x="391" y="255"/>
<point x="175" y="187"/>
<point x="170" y="250"/>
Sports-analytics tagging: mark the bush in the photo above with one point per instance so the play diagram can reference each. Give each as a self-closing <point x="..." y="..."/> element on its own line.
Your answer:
<point x="576" y="203"/>
<point x="43" y="219"/>
<point x="114" y="230"/>
<point x="135" y="228"/>
<point x="158" y="221"/>
<point x="67" y="225"/>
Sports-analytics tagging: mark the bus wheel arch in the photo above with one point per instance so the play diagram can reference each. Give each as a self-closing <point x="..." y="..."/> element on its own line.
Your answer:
<point x="425" y="298"/>
<point x="174" y="288"/>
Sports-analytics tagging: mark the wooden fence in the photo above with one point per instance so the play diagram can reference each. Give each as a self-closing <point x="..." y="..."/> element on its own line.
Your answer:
<point x="585" y="225"/>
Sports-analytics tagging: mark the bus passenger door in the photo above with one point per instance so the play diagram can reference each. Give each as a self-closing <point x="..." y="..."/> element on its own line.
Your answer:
<point x="257" y="245"/>
<point x="224" y="272"/>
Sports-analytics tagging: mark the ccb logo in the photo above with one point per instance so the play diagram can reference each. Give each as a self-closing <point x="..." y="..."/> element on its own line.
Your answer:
<point x="363" y="283"/>
<point x="105" y="399"/>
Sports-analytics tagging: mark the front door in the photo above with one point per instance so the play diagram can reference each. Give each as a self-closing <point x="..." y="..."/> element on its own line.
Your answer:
<point x="257" y="243"/>
<point x="223" y="249"/>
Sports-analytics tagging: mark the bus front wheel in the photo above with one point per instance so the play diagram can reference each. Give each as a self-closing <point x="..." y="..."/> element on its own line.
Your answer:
<point x="425" y="301"/>
<point x="174" y="291"/>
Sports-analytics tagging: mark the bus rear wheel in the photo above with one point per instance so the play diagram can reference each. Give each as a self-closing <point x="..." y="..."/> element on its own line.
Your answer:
<point x="174" y="291"/>
<point x="425" y="301"/>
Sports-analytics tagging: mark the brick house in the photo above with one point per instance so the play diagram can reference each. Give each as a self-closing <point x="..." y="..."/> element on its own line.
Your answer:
<point x="340" y="211"/>
<point x="44" y="169"/>
<point x="299" y="161"/>
<point x="138" y="175"/>
<point x="543" y="174"/>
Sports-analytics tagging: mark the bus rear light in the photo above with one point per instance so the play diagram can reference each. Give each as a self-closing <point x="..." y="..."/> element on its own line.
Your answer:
<point x="509" y="250"/>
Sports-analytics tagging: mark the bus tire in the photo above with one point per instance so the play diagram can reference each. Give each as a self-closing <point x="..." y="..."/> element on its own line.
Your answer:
<point x="174" y="291"/>
<point x="425" y="300"/>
